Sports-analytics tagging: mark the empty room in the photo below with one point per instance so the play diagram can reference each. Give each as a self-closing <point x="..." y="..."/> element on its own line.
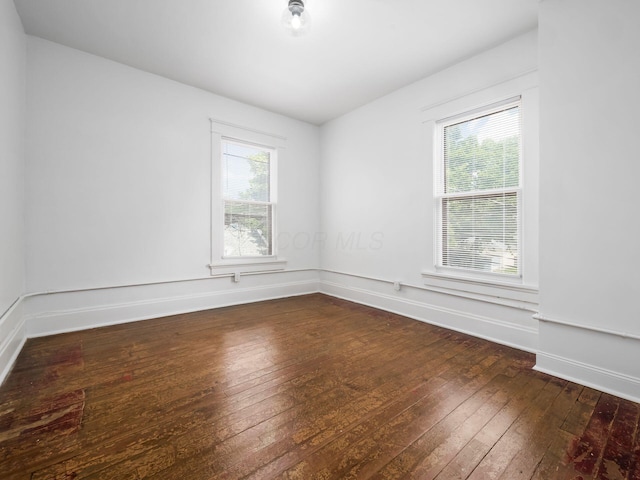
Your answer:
<point x="319" y="239"/>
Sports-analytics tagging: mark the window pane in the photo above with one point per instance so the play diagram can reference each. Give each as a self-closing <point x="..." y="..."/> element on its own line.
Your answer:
<point x="245" y="173"/>
<point x="483" y="153"/>
<point x="247" y="229"/>
<point x="481" y="233"/>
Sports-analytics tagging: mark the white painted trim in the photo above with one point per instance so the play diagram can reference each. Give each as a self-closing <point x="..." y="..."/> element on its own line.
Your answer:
<point x="512" y="295"/>
<point x="450" y="291"/>
<point x="252" y="265"/>
<point x="47" y="313"/>
<point x="483" y="282"/>
<point x="69" y="320"/>
<point x="606" y="331"/>
<point x="11" y="343"/>
<point x="7" y="313"/>
<point x="620" y="385"/>
<point x="601" y="358"/>
<point x="9" y="354"/>
<point x="217" y="200"/>
<point x="520" y="337"/>
<point x="244" y="129"/>
<point x="526" y="75"/>
<point x="524" y="85"/>
<point x="17" y="325"/>
<point x="531" y="306"/>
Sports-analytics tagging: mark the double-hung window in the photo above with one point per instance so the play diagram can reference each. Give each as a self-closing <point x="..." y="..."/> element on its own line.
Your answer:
<point x="248" y="199"/>
<point x="478" y="190"/>
<point x="244" y="211"/>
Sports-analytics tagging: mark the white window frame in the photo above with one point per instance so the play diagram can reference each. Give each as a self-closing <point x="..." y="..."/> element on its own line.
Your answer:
<point x="440" y="195"/>
<point x="271" y="202"/>
<point x="224" y="265"/>
<point x="507" y="289"/>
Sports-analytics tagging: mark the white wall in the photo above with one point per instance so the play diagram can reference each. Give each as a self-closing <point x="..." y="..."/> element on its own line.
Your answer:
<point x="377" y="204"/>
<point x="590" y="98"/>
<point x="12" y="125"/>
<point x="118" y="189"/>
<point x="117" y="193"/>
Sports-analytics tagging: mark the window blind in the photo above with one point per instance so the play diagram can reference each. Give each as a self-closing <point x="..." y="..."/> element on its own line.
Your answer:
<point x="478" y="191"/>
<point x="247" y="200"/>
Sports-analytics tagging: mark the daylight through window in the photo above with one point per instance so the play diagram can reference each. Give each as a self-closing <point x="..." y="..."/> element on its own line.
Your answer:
<point x="478" y="191"/>
<point x="247" y="199"/>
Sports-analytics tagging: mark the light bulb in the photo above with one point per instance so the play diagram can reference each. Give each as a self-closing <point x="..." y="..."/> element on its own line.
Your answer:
<point x="295" y="18"/>
<point x="296" y="23"/>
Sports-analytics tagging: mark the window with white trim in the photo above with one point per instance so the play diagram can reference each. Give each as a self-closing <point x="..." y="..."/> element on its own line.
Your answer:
<point x="478" y="190"/>
<point x="248" y="199"/>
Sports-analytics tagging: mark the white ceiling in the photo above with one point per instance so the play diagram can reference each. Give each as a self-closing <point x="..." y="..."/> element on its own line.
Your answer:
<point x="356" y="51"/>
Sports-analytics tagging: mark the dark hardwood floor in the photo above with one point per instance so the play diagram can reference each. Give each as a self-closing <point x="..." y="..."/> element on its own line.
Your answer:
<point x="302" y="388"/>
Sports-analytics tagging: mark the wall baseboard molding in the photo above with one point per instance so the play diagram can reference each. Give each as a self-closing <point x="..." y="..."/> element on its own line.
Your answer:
<point x="604" y="359"/>
<point x="12" y="338"/>
<point x="564" y="349"/>
<point x="606" y="331"/>
<point x="604" y="380"/>
<point x="520" y="337"/>
<point x="69" y="320"/>
<point x="38" y="315"/>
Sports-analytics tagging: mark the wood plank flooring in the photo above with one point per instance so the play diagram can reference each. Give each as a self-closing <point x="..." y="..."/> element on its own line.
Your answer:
<point x="302" y="388"/>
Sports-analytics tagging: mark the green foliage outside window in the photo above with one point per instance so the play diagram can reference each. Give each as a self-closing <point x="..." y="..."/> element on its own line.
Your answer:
<point x="248" y="209"/>
<point x="480" y="202"/>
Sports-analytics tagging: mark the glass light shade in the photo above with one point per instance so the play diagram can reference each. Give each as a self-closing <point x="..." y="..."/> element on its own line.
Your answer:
<point x="296" y="20"/>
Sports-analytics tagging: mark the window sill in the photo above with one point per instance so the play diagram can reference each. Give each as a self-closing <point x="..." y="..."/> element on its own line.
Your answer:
<point x="499" y="292"/>
<point x="246" y="265"/>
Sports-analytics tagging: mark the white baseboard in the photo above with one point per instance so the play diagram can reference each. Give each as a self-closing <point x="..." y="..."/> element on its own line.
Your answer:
<point x="12" y="337"/>
<point x="50" y="322"/>
<point x="605" y="360"/>
<point x="593" y="358"/>
<point x="618" y="384"/>
<point x="37" y="315"/>
<point x="495" y="330"/>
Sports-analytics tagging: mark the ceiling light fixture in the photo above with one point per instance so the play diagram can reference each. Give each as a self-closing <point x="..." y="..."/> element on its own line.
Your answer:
<point x="295" y="18"/>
